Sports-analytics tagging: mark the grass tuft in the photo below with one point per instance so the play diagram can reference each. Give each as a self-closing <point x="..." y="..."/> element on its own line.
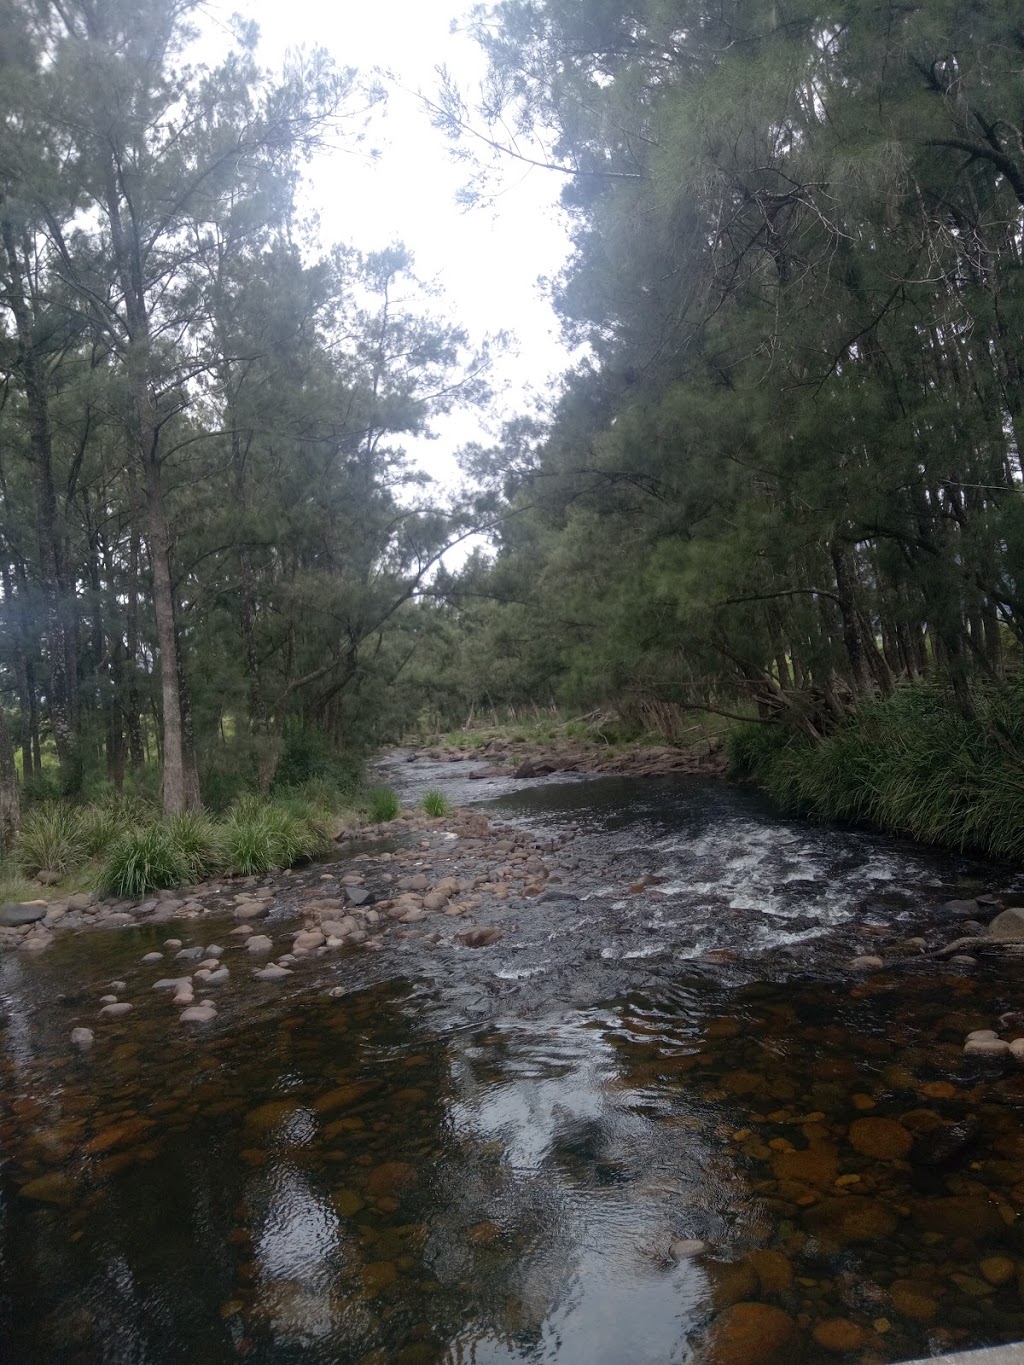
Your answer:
<point x="52" y="839"/>
<point x="436" y="804"/>
<point x="144" y="859"/>
<point x="383" y="805"/>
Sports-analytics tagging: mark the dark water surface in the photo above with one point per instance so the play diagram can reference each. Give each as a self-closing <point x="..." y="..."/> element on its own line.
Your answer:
<point x="486" y="1157"/>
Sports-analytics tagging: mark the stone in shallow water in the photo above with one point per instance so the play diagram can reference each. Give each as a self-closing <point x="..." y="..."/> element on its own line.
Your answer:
<point x="883" y="1139"/>
<point x="198" y="1014"/>
<point x="82" y="1037"/>
<point x="839" y="1334"/>
<point x="818" y="1165"/>
<point x="910" y="1297"/>
<point x="867" y="962"/>
<point x="115" y="1011"/>
<point x="153" y="957"/>
<point x="840" y="1222"/>
<point x="773" y="1269"/>
<point x="218" y="977"/>
<point x="986" y="1047"/>
<point x="272" y="973"/>
<point x="389" y="1178"/>
<point x="1008" y="925"/>
<point x="259" y="943"/>
<point x="54" y="1188"/>
<point x="970" y="1216"/>
<point x="686" y="1248"/>
<point x="753" y="1334"/>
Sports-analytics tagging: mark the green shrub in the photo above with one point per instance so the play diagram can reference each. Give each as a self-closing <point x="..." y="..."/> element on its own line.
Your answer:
<point x="382" y="804"/>
<point x="42" y="786"/>
<point x="261" y="835"/>
<point x="51" y="840"/>
<point x="144" y="859"/>
<point x="200" y="842"/>
<point x="435" y="803"/>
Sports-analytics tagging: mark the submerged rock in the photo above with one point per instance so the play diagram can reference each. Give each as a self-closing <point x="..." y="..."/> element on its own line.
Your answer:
<point x="272" y="973"/>
<point x="115" y="1011"/>
<point x="753" y="1334"/>
<point x="82" y="1037"/>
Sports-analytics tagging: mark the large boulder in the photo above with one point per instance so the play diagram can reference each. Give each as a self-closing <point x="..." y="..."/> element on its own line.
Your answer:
<point x="15" y="913"/>
<point x="1008" y="925"/>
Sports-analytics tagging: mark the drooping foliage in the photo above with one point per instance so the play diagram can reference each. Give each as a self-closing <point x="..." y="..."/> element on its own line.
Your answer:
<point x="786" y="475"/>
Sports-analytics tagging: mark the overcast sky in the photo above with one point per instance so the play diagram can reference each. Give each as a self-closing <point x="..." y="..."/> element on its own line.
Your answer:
<point x="487" y="259"/>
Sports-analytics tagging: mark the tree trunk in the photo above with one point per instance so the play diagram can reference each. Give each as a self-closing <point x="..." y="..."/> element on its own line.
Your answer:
<point x="10" y="814"/>
<point x="50" y="567"/>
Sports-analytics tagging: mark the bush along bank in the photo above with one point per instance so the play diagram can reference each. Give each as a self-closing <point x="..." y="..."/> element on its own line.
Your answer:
<point x="124" y="848"/>
<point x="908" y="764"/>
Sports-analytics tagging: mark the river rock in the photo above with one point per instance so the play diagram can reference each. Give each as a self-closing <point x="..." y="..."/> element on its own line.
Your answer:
<point x="986" y="1047"/>
<point x="116" y="1010"/>
<point x="82" y="1037"/>
<point x="15" y="913"/>
<point x="481" y="937"/>
<point x="358" y="895"/>
<point x="184" y="997"/>
<point x="434" y="901"/>
<point x="189" y="954"/>
<point x="169" y="983"/>
<point x="218" y="977"/>
<point x="260" y="943"/>
<point x="172" y="942"/>
<point x="272" y="973"/>
<point x="213" y="950"/>
<point x="686" y="1248"/>
<point x="839" y="1335"/>
<point x="965" y="909"/>
<point x="251" y="910"/>
<point x="839" y="1222"/>
<point x="198" y="1014"/>
<point x="866" y="962"/>
<point x="1009" y="924"/>
<point x="969" y="1216"/>
<point x="753" y="1334"/>
<point x="153" y="957"/>
<point x="308" y="939"/>
<point x="338" y="928"/>
<point x="883" y="1139"/>
<point x="81" y="901"/>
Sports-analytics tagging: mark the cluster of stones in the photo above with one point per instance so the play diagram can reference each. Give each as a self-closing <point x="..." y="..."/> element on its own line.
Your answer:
<point x="1003" y="934"/>
<point x="31" y="925"/>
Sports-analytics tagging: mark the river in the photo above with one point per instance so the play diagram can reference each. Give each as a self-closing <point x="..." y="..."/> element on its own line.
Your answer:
<point x="505" y="1155"/>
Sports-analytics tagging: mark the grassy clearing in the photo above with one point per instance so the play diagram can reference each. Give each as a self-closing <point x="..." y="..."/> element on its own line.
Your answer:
<point x="909" y="765"/>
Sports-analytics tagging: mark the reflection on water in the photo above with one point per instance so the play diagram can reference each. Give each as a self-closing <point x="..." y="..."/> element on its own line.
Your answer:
<point x="372" y="1179"/>
<point x="346" y="1185"/>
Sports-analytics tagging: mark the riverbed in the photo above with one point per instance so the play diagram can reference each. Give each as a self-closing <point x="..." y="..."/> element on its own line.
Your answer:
<point x="658" y="1120"/>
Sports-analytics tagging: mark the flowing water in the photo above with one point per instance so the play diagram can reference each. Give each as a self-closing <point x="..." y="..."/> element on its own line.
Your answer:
<point x="492" y="1156"/>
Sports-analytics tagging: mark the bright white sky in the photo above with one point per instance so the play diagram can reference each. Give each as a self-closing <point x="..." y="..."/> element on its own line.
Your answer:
<point x="487" y="259"/>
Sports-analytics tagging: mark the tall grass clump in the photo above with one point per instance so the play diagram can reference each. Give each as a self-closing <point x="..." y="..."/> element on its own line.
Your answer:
<point x="144" y="859"/>
<point x="910" y="764"/>
<point x="382" y="805"/>
<point x="51" y="840"/>
<point x="261" y="836"/>
<point x="200" y="841"/>
<point x="435" y="804"/>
